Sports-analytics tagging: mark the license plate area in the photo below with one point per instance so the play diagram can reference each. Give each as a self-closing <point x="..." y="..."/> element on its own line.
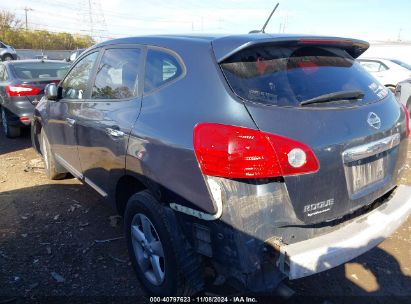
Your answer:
<point x="364" y="173"/>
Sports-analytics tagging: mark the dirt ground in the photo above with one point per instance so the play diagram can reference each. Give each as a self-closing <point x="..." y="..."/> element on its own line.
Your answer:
<point x="57" y="238"/>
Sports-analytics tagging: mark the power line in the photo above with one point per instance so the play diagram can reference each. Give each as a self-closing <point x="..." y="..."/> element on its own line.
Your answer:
<point x="91" y="14"/>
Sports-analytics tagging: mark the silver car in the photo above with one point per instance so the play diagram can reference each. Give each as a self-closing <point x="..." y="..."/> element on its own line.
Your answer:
<point x="7" y="52"/>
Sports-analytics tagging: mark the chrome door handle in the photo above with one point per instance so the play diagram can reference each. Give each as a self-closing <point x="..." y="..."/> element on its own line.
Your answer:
<point x="70" y="121"/>
<point x="114" y="132"/>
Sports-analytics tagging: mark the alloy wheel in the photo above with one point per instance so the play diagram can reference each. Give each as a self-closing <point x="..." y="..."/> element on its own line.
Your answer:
<point x="148" y="249"/>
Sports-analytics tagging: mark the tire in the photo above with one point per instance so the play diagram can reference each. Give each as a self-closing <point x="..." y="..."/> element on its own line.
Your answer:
<point x="48" y="158"/>
<point x="158" y="246"/>
<point x="7" y="57"/>
<point x="10" y="131"/>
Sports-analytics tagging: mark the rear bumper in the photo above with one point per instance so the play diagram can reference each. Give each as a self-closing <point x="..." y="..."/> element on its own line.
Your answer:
<point x="20" y="107"/>
<point x="340" y="246"/>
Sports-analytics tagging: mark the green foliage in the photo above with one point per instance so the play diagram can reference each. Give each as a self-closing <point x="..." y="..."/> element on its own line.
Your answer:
<point x="12" y="33"/>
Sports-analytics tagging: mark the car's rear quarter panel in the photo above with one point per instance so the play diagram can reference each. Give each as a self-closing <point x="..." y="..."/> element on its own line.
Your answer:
<point x="161" y="142"/>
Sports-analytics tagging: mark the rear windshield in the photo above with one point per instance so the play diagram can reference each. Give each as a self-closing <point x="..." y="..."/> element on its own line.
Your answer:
<point x="289" y="75"/>
<point x="34" y="70"/>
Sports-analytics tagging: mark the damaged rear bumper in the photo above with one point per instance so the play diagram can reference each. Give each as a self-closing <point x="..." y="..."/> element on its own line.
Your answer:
<point x="340" y="246"/>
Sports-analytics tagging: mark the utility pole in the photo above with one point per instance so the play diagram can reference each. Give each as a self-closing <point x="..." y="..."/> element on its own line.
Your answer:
<point x="27" y="9"/>
<point x="90" y="16"/>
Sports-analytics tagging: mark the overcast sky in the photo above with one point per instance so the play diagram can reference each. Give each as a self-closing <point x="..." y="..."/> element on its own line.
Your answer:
<point x="372" y="20"/>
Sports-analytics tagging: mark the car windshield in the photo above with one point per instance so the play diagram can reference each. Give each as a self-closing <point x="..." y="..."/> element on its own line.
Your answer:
<point x="289" y="75"/>
<point x="40" y="70"/>
<point x="401" y="63"/>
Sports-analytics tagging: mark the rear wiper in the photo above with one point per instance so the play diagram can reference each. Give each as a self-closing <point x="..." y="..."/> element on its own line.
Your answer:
<point x="341" y="95"/>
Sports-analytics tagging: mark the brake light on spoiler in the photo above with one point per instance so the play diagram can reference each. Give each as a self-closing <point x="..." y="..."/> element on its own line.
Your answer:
<point x="22" y="90"/>
<point x="237" y="152"/>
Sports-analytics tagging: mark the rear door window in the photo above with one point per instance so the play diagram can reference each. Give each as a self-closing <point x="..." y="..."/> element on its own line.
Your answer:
<point x="288" y="75"/>
<point x="161" y="68"/>
<point x="117" y="74"/>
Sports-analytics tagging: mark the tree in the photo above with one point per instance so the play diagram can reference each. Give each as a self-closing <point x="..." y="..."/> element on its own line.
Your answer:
<point x="12" y="33"/>
<point x="8" y="21"/>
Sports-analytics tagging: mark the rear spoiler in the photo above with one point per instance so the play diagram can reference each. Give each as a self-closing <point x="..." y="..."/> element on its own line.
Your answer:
<point x="227" y="46"/>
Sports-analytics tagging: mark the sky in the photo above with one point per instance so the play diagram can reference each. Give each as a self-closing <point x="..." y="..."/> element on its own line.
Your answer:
<point x="372" y="20"/>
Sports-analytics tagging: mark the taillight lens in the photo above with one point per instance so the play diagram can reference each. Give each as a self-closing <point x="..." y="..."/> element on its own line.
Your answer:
<point x="22" y="90"/>
<point x="237" y="152"/>
<point x="294" y="157"/>
<point x="407" y="119"/>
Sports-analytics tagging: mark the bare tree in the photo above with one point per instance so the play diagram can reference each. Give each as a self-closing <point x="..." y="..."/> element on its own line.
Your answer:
<point x="9" y="21"/>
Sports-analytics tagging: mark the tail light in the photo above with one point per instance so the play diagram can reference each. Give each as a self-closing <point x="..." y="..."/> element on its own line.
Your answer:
<point x="22" y="90"/>
<point x="407" y="119"/>
<point x="236" y="152"/>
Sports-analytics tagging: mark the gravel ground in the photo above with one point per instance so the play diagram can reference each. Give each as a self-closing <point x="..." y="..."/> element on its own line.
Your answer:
<point x="58" y="238"/>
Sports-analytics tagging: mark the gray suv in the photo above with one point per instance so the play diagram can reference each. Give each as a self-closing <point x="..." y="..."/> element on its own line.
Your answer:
<point x="7" y="52"/>
<point x="257" y="157"/>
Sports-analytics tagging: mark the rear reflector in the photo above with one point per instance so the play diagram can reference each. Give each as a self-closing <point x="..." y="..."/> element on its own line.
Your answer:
<point x="236" y="152"/>
<point x="24" y="119"/>
<point x="22" y="90"/>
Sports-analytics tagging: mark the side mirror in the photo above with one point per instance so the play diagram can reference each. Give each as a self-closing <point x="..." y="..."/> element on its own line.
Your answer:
<point x="50" y="91"/>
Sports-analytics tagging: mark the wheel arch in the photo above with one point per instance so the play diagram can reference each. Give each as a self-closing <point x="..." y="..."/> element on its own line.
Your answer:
<point x="4" y="55"/>
<point x="126" y="187"/>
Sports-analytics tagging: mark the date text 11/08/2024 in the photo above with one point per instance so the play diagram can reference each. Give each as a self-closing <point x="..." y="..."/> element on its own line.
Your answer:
<point x="236" y="299"/>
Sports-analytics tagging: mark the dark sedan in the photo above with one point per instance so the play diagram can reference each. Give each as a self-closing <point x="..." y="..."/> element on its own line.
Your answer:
<point x="21" y="87"/>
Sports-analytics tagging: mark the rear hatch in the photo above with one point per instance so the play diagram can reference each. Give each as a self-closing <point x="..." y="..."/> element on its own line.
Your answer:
<point x="313" y="91"/>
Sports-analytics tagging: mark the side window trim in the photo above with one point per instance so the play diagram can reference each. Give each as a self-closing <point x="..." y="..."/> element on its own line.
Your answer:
<point x="92" y="73"/>
<point x="382" y="64"/>
<point x="172" y="53"/>
<point x="140" y="82"/>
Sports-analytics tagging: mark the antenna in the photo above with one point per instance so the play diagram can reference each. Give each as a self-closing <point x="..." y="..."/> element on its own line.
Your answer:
<point x="265" y="24"/>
